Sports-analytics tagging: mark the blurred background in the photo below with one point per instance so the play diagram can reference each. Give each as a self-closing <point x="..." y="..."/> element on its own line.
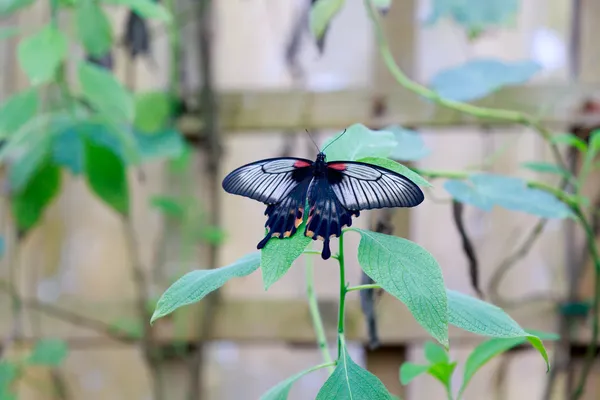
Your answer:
<point x="239" y="80"/>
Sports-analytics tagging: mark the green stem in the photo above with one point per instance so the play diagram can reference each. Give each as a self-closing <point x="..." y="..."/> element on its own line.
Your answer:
<point x="363" y="287"/>
<point x="315" y="314"/>
<point x="343" y="291"/>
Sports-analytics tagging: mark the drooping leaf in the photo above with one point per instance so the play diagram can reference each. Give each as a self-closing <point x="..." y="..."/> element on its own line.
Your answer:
<point x="435" y="354"/>
<point x="478" y="78"/>
<point x="409" y="371"/>
<point x="195" y="285"/>
<point x="106" y="176"/>
<point x="486" y="319"/>
<point x="351" y="382"/>
<point x="105" y="93"/>
<point x="410" y="147"/>
<point x="282" y="389"/>
<point x="545" y="167"/>
<point x="359" y="142"/>
<point x="49" y="352"/>
<point x="278" y="255"/>
<point x="17" y="110"/>
<point x="570" y="140"/>
<point x="321" y="14"/>
<point x="152" y="111"/>
<point x="145" y="8"/>
<point x="29" y="204"/>
<point x="41" y="54"/>
<point x="475" y="15"/>
<point x="93" y="27"/>
<point x="397" y="167"/>
<point x="410" y="273"/>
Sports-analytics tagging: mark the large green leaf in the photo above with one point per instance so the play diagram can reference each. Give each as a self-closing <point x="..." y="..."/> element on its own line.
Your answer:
<point x="106" y="175"/>
<point x="105" y="93"/>
<point x="321" y="14"/>
<point x="486" y="319"/>
<point x="146" y="9"/>
<point x="93" y="26"/>
<point x="49" y="352"/>
<point x="351" y="382"/>
<point x="397" y="167"/>
<point x="278" y="255"/>
<point x="195" y="285"/>
<point x="41" y="54"/>
<point x="17" y="110"/>
<point x="8" y="7"/>
<point x="478" y="78"/>
<point x="358" y="142"/>
<point x="29" y="204"/>
<point x="410" y="273"/>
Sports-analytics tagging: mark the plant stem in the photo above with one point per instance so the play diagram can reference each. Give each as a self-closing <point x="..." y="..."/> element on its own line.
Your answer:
<point x="363" y="287"/>
<point x="315" y="314"/>
<point x="343" y="291"/>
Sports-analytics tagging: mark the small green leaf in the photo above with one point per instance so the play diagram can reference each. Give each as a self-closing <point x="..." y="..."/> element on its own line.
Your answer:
<point x="278" y="255"/>
<point x="410" y="273"/>
<point x="545" y="167"/>
<point x="435" y="354"/>
<point x="105" y="93"/>
<point x="351" y="382"/>
<point x="195" y="285"/>
<point x="410" y="147"/>
<point x="478" y="78"/>
<point x="409" y="371"/>
<point x="152" y="111"/>
<point x="570" y="140"/>
<point x="93" y="26"/>
<point x="170" y="206"/>
<point x="282" y="389"/>
<point x="358" y="142"/>
<point x="29" y="204"/>
<point x="17" y="110"/>
<point x="146" y="9"/>
<point x="49" y="352"/>
<point x="41" y="54"/>
<point x="106" y="175"/>
<point x="397" y="167"/>
<point x="443" y="372"/>
<point x="321" y="14"/>
<point x="486" y="319"/>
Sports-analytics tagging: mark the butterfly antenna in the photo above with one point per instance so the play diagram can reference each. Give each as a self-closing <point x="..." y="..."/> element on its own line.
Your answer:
<point x="312" y="140"/>
<point x="334" y="140"/>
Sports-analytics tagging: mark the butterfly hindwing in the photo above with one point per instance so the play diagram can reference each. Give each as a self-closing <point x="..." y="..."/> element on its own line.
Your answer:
<point x="362" y="186"/>
<point x="268" y="181"/>
<point x="326" y="216"/>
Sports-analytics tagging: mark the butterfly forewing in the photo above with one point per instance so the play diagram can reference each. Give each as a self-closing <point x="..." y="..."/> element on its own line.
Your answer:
<point x="361" y="186"/>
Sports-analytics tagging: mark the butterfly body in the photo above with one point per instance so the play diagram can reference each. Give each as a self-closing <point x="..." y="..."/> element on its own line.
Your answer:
<point x="334" y="192"/>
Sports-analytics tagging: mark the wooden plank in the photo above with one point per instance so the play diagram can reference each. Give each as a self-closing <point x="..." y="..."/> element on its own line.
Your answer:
<point x="288" y="110"/>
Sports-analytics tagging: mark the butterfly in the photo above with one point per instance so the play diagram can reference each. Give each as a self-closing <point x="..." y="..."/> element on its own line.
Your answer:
<point x="334" y="192"/>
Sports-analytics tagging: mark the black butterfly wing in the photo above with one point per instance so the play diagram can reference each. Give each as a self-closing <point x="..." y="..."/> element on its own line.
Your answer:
<point x="362" y="186"/>
<point x="268" y="181"/>
<point x="282" y="184"/>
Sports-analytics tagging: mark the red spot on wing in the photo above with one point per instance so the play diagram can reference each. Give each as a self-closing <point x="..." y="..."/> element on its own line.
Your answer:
<point x="301" y="164"/>
<point x="338" y="167"/>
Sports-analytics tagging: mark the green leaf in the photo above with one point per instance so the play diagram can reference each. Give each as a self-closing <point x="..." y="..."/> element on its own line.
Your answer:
<point x="166" y="144"/>
<point x="358" y="142"/>
<point x="594" y="146"/>
<point x="278" y="255"/>
<point x="105" y="93"/>
<point x="321" y="14"/>
<point x="546" y="167"/>
<point x="106" y="175"/>
<point x="466" y="193"/>
<point x="410" y="147"/>
<point x="478" y="78"/>
<point x="195" y="285"/>
<point x="49" y="352"/>
<point x="475" y="14"/>
<point x="8" y="7"/>
<point x="21" y="170"/>
<point x="41" y="54"/>
<point x="93" y="27"/>
<point x="168" y="205"/>
<point x="146" y="9"/>
<point x="29" y="204"/>
<point x="351" y="382"/>
<point x="486" y="319"/>
<point x="409" y="371"/>
<point x="443" y="372"/>
<point x="410" y="273"/>
<point x="17" y="110"/>
<point x="570" y="140"/>
<point x="282" y="389"/>
<point x="435" y="354"/>
<point x="397" y="167"/>
<point x="152" y="111"/>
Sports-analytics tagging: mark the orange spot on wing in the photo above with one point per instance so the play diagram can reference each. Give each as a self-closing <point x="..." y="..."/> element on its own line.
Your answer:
<point x="287" y="234"/>
<point x="301" y="164"/>
<point x="337" y="167"/>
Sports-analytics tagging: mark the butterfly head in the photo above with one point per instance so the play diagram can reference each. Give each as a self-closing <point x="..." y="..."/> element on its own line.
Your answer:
<point x="321" y="157"/>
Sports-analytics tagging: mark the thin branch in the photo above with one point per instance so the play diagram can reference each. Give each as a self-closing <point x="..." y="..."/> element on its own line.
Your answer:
<point x="469" y="250"/>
